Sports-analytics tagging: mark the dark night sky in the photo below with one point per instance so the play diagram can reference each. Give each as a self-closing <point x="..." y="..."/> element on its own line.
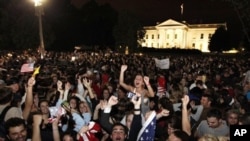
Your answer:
<point x="195" y="11"/>
<point x="152" y="11"/>
<point x="149" y="12"/>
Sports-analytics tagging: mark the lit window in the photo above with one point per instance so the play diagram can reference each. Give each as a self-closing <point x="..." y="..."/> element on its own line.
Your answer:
<point x="193" y="45"/>
<point x="209" y="36"/>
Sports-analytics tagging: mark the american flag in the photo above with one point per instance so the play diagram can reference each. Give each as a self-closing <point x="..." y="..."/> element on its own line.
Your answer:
<point x="28" y="67"/>
<point x="147" y="133"/>
<point x="182" y="7"/>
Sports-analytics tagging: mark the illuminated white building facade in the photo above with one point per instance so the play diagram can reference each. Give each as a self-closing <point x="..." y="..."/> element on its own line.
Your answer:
<point x="171" y="33"/>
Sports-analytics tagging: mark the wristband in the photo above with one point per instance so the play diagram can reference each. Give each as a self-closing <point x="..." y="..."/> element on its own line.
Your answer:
<point x="137" y="109"/>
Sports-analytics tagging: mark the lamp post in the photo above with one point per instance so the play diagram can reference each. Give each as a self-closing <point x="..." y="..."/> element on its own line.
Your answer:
<point x="39" y="13"/>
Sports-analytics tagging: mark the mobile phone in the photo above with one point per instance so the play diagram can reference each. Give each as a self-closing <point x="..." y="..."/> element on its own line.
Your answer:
<point x="130" y="94"/>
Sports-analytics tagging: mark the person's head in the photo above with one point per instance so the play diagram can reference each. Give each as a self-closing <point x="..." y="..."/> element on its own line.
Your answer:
<point x="165" y="103"/>
<point x="15" y="87"/>
<point x="178" y="135"/>
<point x="84" y="107"/>
<point x="198" y="77"/>
<point x="174" y="124"/>
<point x="138" y="81"/>
<point x="119" y="132"/>
<point x="206" y="100"/>
<point x="35" y="99"/>
<point x="13" y="83"/>
<point x="129" y="118"/>
<point x="208" y="137"/>
<point x="183" y="81"/>
<point x="121" y="92"/>
<point x="105" y="93"/>
<point x="110" y="88"/>
<point x="245" y="119"/>
<point x="232" y="117"/>
<point x="44" y="106"/>
<point x="214" y="118"/>
<point x="153" y="103"/>
<point x="16" y="129"/>
<point x="5" y="95"/>
<point x="199" y="84"/>
<point x="68" y="136"/>
<point x="246" y="86"/>
<point x="2" y="83"/>
<point x="73" y="102"/>
<point x="54" y="79"/>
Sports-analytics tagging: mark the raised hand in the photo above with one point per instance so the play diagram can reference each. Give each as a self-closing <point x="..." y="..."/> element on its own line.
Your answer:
<point x="84" y="129"/>
<point x="146" y="80"/>
<point x="185" y="100"/>
<point x="31" y="82"/>
<point x="165" y="112"/>
<point x="136" y="100"/>
<point x="87" y="82"/>
<point x="113" y="100"/>
<point x="124" y="68"/>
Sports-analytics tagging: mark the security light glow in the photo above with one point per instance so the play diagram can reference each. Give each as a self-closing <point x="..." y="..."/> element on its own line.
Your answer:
<point x="38" y="2"/>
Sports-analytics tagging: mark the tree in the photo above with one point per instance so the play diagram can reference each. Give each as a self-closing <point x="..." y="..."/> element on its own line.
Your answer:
<point x="128" y="30"/>
<point x="97" y="22"/>
<point x="219" y="41"/>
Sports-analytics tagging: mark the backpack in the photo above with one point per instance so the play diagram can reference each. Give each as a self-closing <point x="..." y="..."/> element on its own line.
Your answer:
<point x="3" y="132"/>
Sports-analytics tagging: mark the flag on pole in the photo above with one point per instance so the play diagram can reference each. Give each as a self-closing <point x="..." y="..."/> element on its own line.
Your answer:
<point x="182" y="7"/>
<point x="36" y="72"/>
<point x="147" y="132"/>
<point x="27" y="67"/>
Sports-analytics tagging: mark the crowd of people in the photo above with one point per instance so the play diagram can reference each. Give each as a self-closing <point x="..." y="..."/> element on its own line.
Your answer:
<point x="107" y="96"/>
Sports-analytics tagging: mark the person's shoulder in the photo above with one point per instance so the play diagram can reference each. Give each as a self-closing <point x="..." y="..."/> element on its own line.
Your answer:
<point x="13" y="112"/>
<point x="203" y="123"/>
<point x="14" y="109"/>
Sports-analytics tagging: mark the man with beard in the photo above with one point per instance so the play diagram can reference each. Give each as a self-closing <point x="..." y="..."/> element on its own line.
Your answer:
<point x="17" y="130"/>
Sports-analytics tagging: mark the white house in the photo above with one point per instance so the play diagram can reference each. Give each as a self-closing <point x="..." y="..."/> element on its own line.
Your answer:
<point x="171" y="33"/>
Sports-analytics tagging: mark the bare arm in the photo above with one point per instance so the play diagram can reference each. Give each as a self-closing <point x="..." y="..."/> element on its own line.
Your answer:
<point x="87" y="84"/>
<point x="36" y="134"/>
<point x="121" y="79"/>
<point x="150" y="89"/>
<point x="185" y="119"/>
<point x="56" y="135"/>
<point x="80" y="88"/>
<point x="66" y="91"/>
<point x="96" y="111"/>
<point x="29" y="98"/>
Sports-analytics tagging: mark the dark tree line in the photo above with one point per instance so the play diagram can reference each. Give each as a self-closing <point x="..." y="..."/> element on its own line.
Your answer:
<point x="66" y="26"/>
<point x="220" y="41"/>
